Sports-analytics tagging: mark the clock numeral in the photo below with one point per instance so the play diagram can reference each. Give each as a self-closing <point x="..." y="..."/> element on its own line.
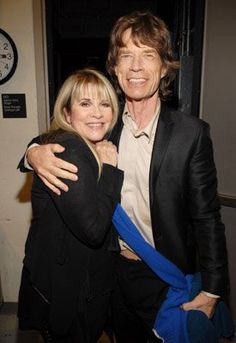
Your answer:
<point x="5" y="46"/>
<point x="8" y="57"/>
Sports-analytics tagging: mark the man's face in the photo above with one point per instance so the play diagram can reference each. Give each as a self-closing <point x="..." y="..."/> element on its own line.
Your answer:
<point x="139" y="69"/>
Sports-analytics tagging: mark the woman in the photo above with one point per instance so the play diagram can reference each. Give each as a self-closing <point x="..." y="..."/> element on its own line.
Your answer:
<point x="67" y="276"/>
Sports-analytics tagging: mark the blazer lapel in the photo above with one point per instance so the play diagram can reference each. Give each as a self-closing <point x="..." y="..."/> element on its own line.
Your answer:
<point x="116" y="132"/>
<point x="161" y="141"/>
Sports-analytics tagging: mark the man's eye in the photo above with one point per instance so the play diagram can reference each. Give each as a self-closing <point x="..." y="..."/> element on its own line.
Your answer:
<point x="150" y="55"/>
<point x="125" y="55"/>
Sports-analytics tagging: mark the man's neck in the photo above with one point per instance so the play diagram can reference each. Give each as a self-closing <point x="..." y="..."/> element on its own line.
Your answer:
<point x="143" y="111"/>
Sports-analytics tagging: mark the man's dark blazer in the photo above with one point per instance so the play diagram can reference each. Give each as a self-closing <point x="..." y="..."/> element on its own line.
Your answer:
<point x="185" y="216"/>
<point x="66" y="252"/>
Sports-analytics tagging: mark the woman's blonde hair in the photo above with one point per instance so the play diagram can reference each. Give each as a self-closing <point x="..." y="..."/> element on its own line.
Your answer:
<point x="73" y="89"/>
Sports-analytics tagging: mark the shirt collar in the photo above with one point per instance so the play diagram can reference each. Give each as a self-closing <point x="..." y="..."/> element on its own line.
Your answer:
<point x="148" y="131"/>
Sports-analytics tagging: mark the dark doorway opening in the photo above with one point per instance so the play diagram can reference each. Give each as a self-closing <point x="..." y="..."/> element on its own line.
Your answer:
<point x="78" y="34"/>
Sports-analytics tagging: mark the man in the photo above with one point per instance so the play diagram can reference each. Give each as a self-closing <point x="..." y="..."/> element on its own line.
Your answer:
<point x="170" y="186"/>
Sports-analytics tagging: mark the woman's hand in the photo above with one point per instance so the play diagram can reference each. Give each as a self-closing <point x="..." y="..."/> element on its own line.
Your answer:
<point x="107" y="152"/>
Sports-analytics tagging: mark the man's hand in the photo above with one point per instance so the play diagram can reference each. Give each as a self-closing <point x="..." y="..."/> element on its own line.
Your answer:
<point x="49" y="167"/>
<point x="203" y="303"/>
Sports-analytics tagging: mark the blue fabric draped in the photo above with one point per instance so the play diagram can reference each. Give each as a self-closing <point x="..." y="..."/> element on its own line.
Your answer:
<point x="173" y="324"/>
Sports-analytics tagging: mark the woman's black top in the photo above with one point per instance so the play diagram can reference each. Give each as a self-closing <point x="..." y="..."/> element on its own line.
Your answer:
<point x="67" y="250"/>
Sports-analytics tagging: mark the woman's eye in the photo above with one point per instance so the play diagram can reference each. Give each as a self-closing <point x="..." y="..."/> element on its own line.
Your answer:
<point x="106" y="104"/>
<point x="84" y="104"/>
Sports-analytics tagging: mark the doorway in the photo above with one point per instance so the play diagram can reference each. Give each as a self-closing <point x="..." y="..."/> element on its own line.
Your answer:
<point x="78" y="35"/>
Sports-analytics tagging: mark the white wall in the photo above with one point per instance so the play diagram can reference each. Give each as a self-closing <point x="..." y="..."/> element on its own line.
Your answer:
<point x="218" y="107"/>
<point x="18" y="19"/>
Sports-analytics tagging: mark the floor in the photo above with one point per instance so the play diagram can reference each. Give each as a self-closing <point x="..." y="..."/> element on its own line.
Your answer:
<point x="9" y="332"/>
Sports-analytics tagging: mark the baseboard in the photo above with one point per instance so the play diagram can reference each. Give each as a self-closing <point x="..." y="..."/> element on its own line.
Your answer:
<point x="8" y="307"/>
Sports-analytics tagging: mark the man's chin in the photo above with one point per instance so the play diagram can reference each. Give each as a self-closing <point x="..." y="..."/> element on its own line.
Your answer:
<point x="135" y="97"/>
<point x="140" y="96"/>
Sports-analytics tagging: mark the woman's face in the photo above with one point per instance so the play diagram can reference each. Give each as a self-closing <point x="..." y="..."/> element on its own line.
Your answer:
<point x="90" y="116"/>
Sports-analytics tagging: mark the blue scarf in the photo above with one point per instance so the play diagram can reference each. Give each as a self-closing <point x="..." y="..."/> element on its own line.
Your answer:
<point x="171" y="322"/>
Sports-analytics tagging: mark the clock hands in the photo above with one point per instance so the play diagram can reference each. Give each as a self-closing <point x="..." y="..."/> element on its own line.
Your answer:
<point x="8" y="57"/>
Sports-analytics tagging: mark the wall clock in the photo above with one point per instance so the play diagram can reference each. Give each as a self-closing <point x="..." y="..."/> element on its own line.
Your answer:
<point x="8" y="57"/>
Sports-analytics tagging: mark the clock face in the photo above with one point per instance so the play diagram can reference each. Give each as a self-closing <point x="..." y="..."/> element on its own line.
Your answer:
<point x="8" y="57"/>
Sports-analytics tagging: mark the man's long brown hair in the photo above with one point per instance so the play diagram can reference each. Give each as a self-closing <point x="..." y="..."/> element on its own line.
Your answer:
<point x="149" y="30"/>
